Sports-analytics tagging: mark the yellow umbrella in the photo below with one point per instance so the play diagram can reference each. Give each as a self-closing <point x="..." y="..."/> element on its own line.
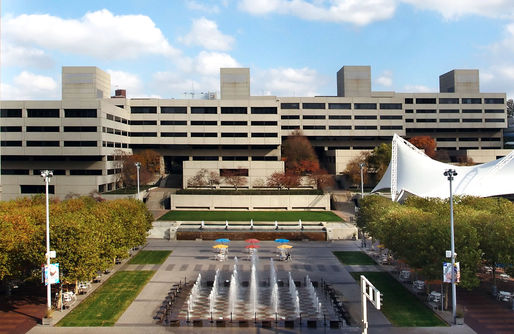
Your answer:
<point x="220" y="246"/>
<point x="380" y="246"/>
<point x="285" y="246"/>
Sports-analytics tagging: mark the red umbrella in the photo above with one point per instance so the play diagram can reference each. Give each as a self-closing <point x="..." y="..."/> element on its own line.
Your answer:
<point x="253" y="246"/>
<point x="252" y="241"/>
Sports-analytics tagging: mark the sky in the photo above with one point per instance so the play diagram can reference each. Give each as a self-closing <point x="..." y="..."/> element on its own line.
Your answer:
<point x="174" y="49"/>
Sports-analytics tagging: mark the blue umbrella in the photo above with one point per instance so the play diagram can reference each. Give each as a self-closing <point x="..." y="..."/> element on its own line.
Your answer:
<point x="222" y="240"/>
<point x="281" y="240"/>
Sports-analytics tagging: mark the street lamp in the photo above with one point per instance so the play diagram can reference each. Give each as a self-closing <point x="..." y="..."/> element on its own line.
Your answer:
<point x="450" y="173"/>
<point x="361" y="165"/>
<point x="47" y="174"/>
<point x="138" y="166"/>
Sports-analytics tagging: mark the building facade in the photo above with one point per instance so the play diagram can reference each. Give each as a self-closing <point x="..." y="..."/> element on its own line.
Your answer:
<point x="79" y="136"/>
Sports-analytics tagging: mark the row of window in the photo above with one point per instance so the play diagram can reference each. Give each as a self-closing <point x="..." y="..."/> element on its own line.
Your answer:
<point x="50" y="143"/>
<point x="455" y="111"/>
<point x="468" y="139"/>
<point x="72" y="172"/>
<point x="341" y="127"/>
<point x="49" y="129"/>
<point x="49" y="113"/>
<point x="202" y="110"/>
<point x="455" y="100"/>
<point x="455" y="120"/>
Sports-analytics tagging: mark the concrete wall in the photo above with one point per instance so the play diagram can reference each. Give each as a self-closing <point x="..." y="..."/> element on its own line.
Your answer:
<point x="250" y="202"/>
<point x="483" y="156"/>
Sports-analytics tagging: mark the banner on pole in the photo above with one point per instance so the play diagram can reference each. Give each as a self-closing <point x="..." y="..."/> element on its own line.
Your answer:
<point x="51" y="273"/>
<point x="447" y="272"/>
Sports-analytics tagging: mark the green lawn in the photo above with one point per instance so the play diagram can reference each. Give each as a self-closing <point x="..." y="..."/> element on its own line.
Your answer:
<point x="401" y="307"/>
<point x="351" y="258"/>
<point x="104" y="306"/>
<point x="281" y="216"/>
<point x="150" y="257"/>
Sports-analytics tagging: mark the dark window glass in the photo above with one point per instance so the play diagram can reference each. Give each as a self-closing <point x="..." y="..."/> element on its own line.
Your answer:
<point x="340" y="127"/>
<point x="144" y="110"/>
<point x="10" y="129"/>
<point x="15" y="171"/>
<point x="471" y="100"/>
<point x="7" y="113"/>
<point x="409" y="120"/>
<point x="314" y="127"/>
<point x="426" y="120"/>
<point x="85" y="172"/>
<point x="339" y="117"/>
<point x="468" y="139"/>
<point x="43" y="113"/>
<point x="426" y="100"/>
<point x="173" y="134"/>
<point x="109" y="117"/>
<point x="259" y="158"/>
<point x="204" y="134"/>
<point x="234" y="134"/>
<point x="120" y="106"/>
<point x="449" y="120"/>
<point x="233" y="171"/>
<point x="55" y="171"/>
<point x="492" y="100"/>
<point x="264" y="134"/>
<point x="391" y="127"/>
<point x="494" y="120"/>
<point x="234" y="158"/>
<point x="491" y="139"/>
<point x="264" y="110"/>
<point x="472" y="120"/>
<point x="449" y="111"/>
<point x="365" y="106"/>
<point x="10" y="143"/>
<point x="409" y="100"/>
<point x="290" y="127"/>
<point x="313" y="116"/>
<point x="234" y="110"/>
<point x="494" y="111"/>
<point x="391" y="117"/>
<point x="80" y="129"/>
<point x="204" y="122"/>
<point x="365" y="117"/>
<point x="263" y="123"/>
<point x="42" y="129"/>
<point x="365" y="127"/>
<point x="173" y="122"/>
<point x="143" y="134"/>
<point x="313" y="105"/>
<point x="339" y="106"/>
<point x="234" y="123"/>
<point x="425" y="111"/>
<point x="36" y="189"/>
<point x="472" y="111"/>
<point x="173" y="110"/>
<point x="289" y="106"/>
<point x="446" y="139"/>
<point x="80" y="143"/>
<point x="390" y="106"/>
<point x="409" y="111"/>
<point x="206" y="158"/>
<point x="290" y="117"/>
<point x="42" y="143"/>
<point x="448" y="100"/>
<point x="204" y="110"/>
<point x="143" y="122"/>
<point x="80" y="113"/>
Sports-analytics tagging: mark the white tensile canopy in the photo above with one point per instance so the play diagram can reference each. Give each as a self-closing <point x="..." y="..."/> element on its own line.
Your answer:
<point x="411" y="171"/>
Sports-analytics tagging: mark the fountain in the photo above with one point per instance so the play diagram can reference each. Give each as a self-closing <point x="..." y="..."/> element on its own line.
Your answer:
<point x="253" y="285"/>
<point x="276" y="225"/>
<point x="226" y="224"/>
<point x="251" y="224"/>
<point x="214" y="293"/>
<point x="202" y="225"/>
<point x="293" y="291"/>
<point x="312" y="294"/>
<point x="193" y="296"/>
<point x="300" y="224"/>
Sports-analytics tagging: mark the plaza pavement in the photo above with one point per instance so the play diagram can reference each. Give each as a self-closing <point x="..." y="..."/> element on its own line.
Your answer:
<point x="192" y="257"/>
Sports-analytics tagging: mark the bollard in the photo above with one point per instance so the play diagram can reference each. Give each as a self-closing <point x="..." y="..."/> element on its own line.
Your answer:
<point x="255" y="317"/>
<point x="276" y="318"/>
<point x="230" y="317"/>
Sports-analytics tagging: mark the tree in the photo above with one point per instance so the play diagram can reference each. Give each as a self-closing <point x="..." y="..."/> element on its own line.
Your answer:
<point x="321" y="179"/>
<point x="426" y="143"/>
<point x="510" y="108"/>
<point x="150" y="165"/>
<point x="234" y="178"/>
<point x="379" y="159"/>
<point x="213" y="179"/>
<point x="299" y="154"/>
<point x="353" y="169"/>
<point x="198" y="180"/>
<point x="283" y="180"/>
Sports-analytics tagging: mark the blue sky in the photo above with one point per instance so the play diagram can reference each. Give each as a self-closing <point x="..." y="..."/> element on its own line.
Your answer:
<point x="293" y="47"/>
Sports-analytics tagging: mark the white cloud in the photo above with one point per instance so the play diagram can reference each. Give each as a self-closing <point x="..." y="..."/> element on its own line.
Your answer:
<point x="13" y="55"/>
<point x="202" y="6"/>
<point x="27" y="85"/>
<point x="205" y="33"/>
<point x="358" y="12"/>
<point x="418" y="89"/>
<point x="209" y="63"/>
<point x="385" y="79"/>
<point x="454" y="9"/>
<point x="498" y="78"/>
<point x="99" y="34"/>
<point x="288" y="82"/>
<point x="125" y="80"/>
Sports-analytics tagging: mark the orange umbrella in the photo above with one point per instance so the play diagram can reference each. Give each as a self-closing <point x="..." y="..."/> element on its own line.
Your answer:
<point x="252" y="241"/>
<point x="252" y="246"/>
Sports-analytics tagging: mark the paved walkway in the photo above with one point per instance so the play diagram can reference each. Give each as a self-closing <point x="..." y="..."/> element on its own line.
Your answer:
<point x="192" y="257"/>
<point x="19" y="314"/>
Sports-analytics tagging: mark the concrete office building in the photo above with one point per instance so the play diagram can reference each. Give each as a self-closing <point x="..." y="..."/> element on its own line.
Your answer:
<point x="79" y="135"/>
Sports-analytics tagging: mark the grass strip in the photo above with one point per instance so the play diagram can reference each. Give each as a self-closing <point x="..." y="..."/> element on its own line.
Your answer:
<point x="354" y="258"/>
<point x="400" y="306"/>
<point x="105" y="305"/>
<point x="271" y="216"/>
<point x="150" y="257"/>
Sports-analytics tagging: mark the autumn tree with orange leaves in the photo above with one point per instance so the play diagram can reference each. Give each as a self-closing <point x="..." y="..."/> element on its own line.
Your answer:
<point x="426" y="143"/>
<point x="150" y="165"/>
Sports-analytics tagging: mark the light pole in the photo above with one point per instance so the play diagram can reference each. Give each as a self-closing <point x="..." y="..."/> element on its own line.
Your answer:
<point x="138" y="166"/>
<point x="47" y="174"/>
<point x="450" y="173"/>
<point x="361" y="165"/>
